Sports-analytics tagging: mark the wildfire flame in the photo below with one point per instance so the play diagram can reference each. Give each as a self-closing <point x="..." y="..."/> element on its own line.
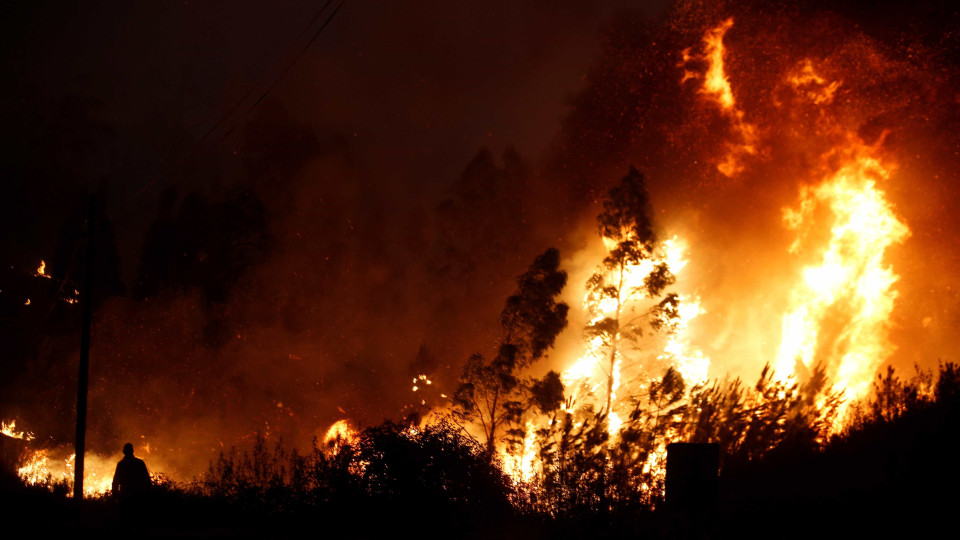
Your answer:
<point x="10" y="430"/>
<point x="41" y="469"/>
<point x="55" y="466"/>
<point x="586" y="374"/>
<point x="850" y="290"/>
<point x="716" y="87"/>
<point x="339" y="434"/>
<point x="838" y="309"/>
<point x="715" y="82"/>
<point x="812" y="85"/>
<point x="837" y="306"/>
<point x="522" y="465"/>
<point x="41" y="270"/>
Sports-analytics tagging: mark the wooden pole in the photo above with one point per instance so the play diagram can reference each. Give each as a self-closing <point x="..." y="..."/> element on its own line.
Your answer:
<point x="82" y="379"/>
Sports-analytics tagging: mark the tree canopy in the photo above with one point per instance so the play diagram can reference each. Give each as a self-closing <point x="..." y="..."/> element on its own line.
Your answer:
<point x="491" y="393"/>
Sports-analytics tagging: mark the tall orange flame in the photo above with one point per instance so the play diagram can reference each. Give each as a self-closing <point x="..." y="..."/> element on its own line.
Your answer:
<point x="839" y="311"/>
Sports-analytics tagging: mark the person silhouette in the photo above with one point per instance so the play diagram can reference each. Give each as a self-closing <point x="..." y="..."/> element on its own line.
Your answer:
<point x="131" y="478"/>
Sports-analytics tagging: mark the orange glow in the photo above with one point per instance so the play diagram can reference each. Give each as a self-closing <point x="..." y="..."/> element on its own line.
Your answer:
<point x="839" y="306"/>
<point x="52" y="466"/>
<point x="837" y="301"/>
<point x="821" y="278"/>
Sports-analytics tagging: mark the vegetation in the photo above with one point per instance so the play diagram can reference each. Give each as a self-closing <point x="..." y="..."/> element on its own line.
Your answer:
<point x="491" y="393"/>
<point x="625" y="223"/>
<point x="437" y="480"/>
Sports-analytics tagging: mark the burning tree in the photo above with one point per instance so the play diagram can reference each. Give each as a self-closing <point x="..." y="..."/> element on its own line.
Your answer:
<point x="492" y="393"/>
<point x="612" y="291"/>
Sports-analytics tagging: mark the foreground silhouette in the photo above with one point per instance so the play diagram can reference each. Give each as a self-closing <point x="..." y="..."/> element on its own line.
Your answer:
<point x="884" y="477"/>
<point x="131" y="478"/>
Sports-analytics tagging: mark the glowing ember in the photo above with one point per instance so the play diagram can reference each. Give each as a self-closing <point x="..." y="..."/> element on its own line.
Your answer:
<point x="420" y="379"/>
<point x="41" y="270"/>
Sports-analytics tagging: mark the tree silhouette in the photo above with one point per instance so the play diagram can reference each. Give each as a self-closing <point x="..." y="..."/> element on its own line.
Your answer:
<point x="492" y="393"/>
<point x="655" y="415"/>
<point x="625" y="225"/>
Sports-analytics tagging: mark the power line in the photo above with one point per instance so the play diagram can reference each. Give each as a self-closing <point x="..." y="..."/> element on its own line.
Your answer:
<point x="302" y="52"/>
<point x="223" y="119"/>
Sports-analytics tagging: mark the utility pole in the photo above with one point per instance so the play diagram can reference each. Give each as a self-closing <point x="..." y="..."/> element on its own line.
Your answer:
<point x="82" y="382"/>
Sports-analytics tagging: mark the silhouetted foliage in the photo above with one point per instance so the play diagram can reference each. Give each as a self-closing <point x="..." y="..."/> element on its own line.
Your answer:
<point x="438" y="466"/>
<point x="585" y="470"/>
<point x="547" y="393"/>
<point x="388" y="472"/>
<point x="892" y="460"/>
<point x="747" y="423"/>
<point x="572" y="450"/>
<point x="892" y="398"/>
<point x="492" y="394"/>
<point x="947" y="389"/>
<point x="440" y="481"/>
